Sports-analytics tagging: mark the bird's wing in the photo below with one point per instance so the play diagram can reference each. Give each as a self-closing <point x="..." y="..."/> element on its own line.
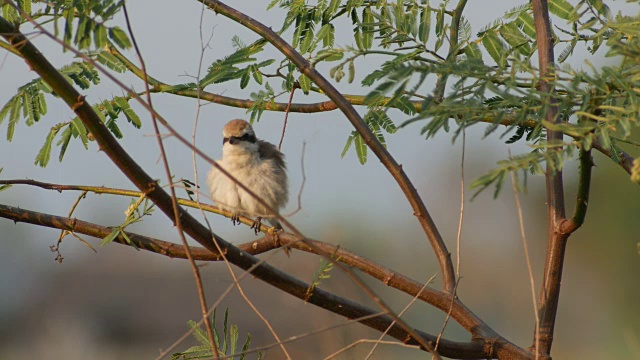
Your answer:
<point x="268" y="151"/>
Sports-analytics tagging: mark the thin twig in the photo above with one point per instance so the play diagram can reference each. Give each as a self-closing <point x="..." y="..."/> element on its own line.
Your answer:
<point x="446" y="319"/>
<point x="375" y="345"/>
<point x="462" y="192"/>
<point x="582" y="197"/>
<point x="286" y="116"/>
<point x="366" y="341"/>
<point x="528" y="259"/>
<point x="63" y="233"/>
<point x="176" y="212"/>
<point x="304" y="180"/>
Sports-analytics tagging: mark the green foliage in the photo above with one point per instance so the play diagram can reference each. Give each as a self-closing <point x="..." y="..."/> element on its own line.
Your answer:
<point x="226" y="342"/>
<point x="84" y="22"/>
<point x="3" y="187"/>
<point x="483" y="75"/>
<point x="133" y="214"/>
<point x="261" y="98"/>
<point x="322" y="273"/>
<point x="377" y="120"/>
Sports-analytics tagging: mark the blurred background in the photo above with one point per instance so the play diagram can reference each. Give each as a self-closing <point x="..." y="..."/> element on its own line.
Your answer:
<point x="126" y="304"/>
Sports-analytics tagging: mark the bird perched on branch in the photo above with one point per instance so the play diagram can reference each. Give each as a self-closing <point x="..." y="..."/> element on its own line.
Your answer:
<point x="259" y="166"/>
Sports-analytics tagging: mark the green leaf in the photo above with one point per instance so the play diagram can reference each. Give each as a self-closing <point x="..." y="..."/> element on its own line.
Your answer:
<point x="348" y="144"/>
<point x="119" y="37"/>
<point x="305" y="44"/>
<point x="525" y="22"/>
<point x="245" y="347"/>
<point x="6" y="108"/>
<point x="42" y="159"/>
<point x="494" y="47"/>
<point x="516" y="38"/>
<point x="14" y="116"/>
<point x="561" y="8"/>
<point x="361" y="149"/>
<point x="68" y="26"/>
<point x="472" y="50"/>
<point x="100" y="36"/>
<point x="110" y="61"/>
<point x="257" y="75"/>
<point x="244" y="80"/>
<point x="425" y="25"/>
<point x="305" y="83"/>
<point x="109" y="238"/>
<point x="352" y="72"/>
<point x="78" y="129"/>
<point x="234" y="338"/>
<point x="367" y="28"/>
<point x="65" y="138"/>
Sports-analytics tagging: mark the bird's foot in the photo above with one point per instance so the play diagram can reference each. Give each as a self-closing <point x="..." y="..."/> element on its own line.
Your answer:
<point x="256" y="225"/>
<point x="235" y="219"/>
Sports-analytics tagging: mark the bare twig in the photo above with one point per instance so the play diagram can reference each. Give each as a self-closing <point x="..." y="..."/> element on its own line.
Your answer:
<point x="174" y="201"/>
<point x="63" y="233"/>
<point x="528" y="260"/>
<point x="366" y="341"/>
<point x="375" y="345"/>
<point x="286" y="116"/>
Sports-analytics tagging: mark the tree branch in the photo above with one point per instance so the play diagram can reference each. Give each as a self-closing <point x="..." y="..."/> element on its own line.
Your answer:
<point x="550" y="294"/>
<point x="462" y="315"/>
<point x="582" y="198"/>
<point x="456" y="16"/>
<point x="478" y="348"/>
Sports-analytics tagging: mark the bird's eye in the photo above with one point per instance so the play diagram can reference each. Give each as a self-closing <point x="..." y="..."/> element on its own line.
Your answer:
<point x="248" y="137"/>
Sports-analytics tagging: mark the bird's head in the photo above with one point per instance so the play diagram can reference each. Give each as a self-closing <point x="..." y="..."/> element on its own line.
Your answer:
<point x="238" y="138"/>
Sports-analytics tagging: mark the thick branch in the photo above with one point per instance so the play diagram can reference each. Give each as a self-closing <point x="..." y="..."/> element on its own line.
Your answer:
<point x="420" y="211"/>
<point x="550" y="294"/>
<point x="474" y="349"/>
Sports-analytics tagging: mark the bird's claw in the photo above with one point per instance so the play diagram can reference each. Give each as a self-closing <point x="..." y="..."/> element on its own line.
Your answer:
<point x="256" y="225"/>
<point x="235" y="219"/>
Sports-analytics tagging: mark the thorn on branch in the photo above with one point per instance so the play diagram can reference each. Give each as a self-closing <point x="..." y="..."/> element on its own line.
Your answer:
<point x="78" y="103"/>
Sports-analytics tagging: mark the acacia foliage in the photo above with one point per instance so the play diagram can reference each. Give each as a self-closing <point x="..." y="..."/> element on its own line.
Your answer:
<point x="485" y="75"/>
